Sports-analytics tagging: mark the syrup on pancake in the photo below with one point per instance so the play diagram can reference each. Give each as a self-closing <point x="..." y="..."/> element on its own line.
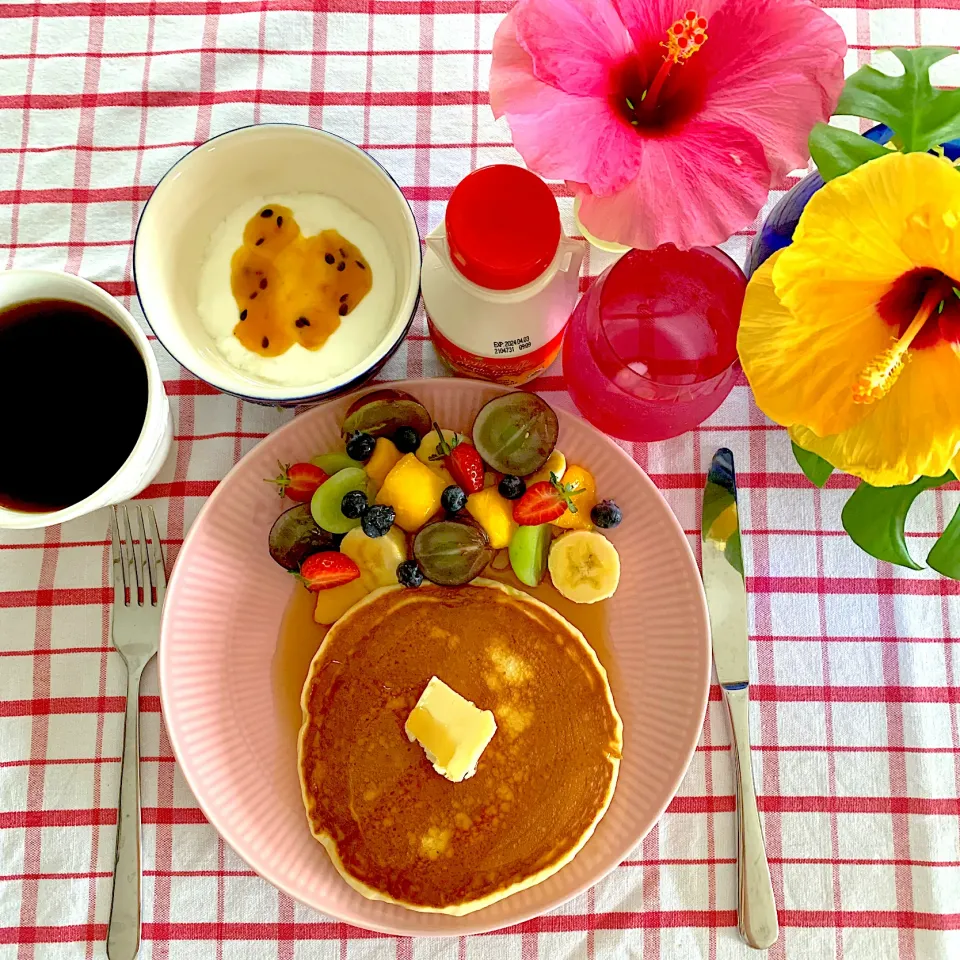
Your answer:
<point x="396" y="829"/>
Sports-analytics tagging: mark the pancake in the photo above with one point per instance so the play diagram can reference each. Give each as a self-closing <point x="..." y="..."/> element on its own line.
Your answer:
<point x="394" y="828"/>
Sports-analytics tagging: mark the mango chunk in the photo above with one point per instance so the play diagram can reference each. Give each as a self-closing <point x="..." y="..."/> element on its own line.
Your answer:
<point x="495" y="514"/>
<point x="413" y="490"/>
<point x="385" y="457"/>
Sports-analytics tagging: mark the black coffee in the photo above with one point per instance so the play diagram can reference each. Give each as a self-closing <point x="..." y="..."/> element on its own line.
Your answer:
<point x="73" y="398"/>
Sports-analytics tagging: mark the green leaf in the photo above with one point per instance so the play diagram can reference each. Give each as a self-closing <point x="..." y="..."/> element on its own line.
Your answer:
<point x="816" y="469"/>
<point x="836" y="151"/>
<point x="944" y="557"/>
<point x="874" y="518"/>
<point x="920" y="115"/>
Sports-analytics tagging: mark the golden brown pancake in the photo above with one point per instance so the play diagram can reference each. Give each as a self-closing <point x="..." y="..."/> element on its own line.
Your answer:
<point x="397" y="830"/>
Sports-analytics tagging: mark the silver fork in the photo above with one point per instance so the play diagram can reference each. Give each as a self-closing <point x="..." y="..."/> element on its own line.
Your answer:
<point x="138" y="574"/>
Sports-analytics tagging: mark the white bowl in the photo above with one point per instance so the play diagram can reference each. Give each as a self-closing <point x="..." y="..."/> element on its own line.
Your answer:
<point x="207" y="185"/>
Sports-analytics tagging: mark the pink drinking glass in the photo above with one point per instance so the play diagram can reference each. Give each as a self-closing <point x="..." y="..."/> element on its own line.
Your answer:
<point x="651" y="349"/>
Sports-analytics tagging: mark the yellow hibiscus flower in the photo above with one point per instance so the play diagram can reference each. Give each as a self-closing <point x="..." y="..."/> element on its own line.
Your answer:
<point x="850" y="337"/>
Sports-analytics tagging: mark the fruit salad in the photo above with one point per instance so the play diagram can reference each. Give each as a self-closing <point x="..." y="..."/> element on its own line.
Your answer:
<point x="408" y="500"/>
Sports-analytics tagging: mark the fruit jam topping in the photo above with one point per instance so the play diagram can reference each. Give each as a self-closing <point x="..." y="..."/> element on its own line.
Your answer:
<point x="290" y="288"/>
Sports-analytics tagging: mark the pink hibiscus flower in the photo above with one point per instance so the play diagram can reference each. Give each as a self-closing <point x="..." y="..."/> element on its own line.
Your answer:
<point x="670" y="124"/>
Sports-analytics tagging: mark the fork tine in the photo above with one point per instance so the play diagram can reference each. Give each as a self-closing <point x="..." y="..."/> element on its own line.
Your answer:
<point x="140" y="552"/>
<point x="118" y="573"/>
<point x="156" y="556"/>
<point x="130" y="559"/>
<point x="148" y="575"/>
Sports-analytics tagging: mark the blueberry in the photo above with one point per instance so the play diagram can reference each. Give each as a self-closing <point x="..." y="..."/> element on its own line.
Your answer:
<point x="406" y="440"/>
<point x="409" y="573"/>
<point x="606" y="515"/>
<point x="377" y="520"/>
<point x="511" y="487"/>
<point x="360" y="446"/>
<point x="353" y="504"/>
<point x="453" y="499"/>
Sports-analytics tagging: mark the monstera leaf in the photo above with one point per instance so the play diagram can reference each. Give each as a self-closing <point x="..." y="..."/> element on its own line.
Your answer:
<point x="836" y="151"/>
<point x="945" y="555"/>
<point x="920" y="115"/>
<point x="874" y="518"/>
<point x="815" y="468"/>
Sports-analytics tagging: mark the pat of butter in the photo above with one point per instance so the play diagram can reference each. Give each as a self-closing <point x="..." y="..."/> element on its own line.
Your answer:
<point x="452" y="731"/>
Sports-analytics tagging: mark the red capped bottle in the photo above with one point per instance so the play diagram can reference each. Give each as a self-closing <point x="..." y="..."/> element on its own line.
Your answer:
<point x="499" y="278"/>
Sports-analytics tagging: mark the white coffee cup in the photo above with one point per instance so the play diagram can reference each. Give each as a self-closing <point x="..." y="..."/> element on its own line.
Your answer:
<point x="153" y="444"/>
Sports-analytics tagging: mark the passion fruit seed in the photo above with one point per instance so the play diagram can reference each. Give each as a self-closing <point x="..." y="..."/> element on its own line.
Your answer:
<point x="329" y="257"/>
<point x="303" y="322"/>
<point x="266" y="212"/>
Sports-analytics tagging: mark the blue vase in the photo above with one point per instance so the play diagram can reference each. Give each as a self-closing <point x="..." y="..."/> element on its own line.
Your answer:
<point x="777" y="230"/>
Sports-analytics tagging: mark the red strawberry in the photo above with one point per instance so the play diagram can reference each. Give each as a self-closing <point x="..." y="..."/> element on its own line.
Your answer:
<point x="320" y="571"/>
<point x="544" y="501"/>
<point x="462" y="460"/>
<point x="298" y="481"/>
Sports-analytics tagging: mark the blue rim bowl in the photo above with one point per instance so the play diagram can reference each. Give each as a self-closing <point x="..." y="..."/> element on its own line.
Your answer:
<point x="208" y="184"/>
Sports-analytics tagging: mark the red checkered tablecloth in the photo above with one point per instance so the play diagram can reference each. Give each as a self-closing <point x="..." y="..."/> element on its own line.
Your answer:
<point x="856" y="713"/>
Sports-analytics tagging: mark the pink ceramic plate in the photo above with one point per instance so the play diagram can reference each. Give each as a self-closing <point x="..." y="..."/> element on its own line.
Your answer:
<point x="220" y="627"/>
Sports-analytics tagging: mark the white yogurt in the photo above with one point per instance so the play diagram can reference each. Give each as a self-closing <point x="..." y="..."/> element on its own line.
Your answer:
<point x="358" y="334"/>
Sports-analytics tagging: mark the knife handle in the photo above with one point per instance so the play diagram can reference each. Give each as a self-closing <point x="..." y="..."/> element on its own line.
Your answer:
<point x="756" y="908"/>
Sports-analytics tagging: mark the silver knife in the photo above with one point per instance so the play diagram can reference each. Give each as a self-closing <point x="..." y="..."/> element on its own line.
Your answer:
<point x="727" y="604"/>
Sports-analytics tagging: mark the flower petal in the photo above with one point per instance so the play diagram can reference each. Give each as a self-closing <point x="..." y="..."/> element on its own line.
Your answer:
<point x="775" y="68"/>
<point x="693" y="188"/>
<point x="932" y="237"/>
<point x="803" y="372"/>
<point x="574" y="44"/>
<point x="559" y="135"/>
<point x="850" y="247"/>
<point x="649" y="20"/>
<point x="512" y="83"/>
<point x="845" y="257"/>
<point x="914" y="431"/>
<point x="872" y="224"/>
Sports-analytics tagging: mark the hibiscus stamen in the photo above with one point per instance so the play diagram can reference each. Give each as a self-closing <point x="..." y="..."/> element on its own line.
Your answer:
<point x="882" y="373"/>
<point x="684" y="39"/>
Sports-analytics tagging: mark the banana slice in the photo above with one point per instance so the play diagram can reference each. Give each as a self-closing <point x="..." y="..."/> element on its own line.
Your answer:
<point x="556" y="464"/>
<point x="377" y="557"/>
<point x="584" y="566"/>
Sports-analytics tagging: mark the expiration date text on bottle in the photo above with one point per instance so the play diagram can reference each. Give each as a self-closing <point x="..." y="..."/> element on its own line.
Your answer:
<point x="518" y="345"/>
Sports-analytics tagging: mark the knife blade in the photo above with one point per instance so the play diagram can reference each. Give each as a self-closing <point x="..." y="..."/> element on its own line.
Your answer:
<point x="723" y="580"/>
<point x="726" y="591"/>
